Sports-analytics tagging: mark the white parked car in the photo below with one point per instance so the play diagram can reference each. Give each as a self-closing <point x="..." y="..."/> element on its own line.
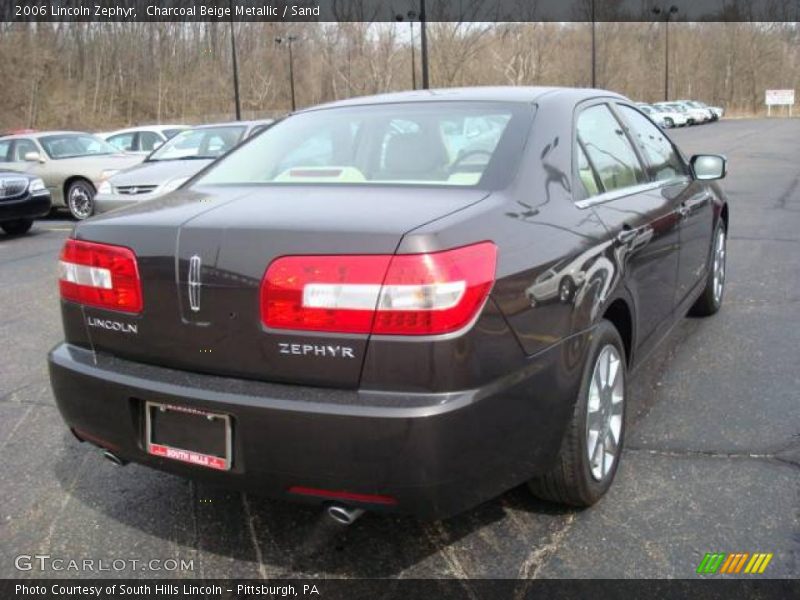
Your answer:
<point x="673" y="118"/>
<point x="656" y="116"/>
<point x="694" y="115"/>
<point x="716" y="111"/>
<point x="142" y="140"/>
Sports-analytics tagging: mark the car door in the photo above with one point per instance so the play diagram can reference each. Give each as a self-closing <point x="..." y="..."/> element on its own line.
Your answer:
<point x="696" y="209"/>
<point x="639" y="212"/>
<point x="23" y="146"/>
<point x="16" y="157"/>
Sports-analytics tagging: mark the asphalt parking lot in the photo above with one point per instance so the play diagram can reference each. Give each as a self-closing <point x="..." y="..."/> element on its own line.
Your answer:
<point x="712" y="462"/>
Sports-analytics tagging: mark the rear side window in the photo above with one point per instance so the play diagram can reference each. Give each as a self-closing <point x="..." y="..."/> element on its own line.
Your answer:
<point x="586" y="173"/>
<point x="665" y="163"/>
<point x="608" y="149"/>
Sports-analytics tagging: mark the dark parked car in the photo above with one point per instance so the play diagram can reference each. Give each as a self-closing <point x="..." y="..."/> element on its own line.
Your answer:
<point x="22" y="199"/>
<point x="360" y="309"/>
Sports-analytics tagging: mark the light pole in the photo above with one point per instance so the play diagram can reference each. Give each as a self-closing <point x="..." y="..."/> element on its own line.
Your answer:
<point x="667" y="12"/>
<point x="289" y="39"/>
<point x="235" y="70"/>
<point x="424" y="42"/>
<point x="412" y="15"/>
<point x="594" y="49"/>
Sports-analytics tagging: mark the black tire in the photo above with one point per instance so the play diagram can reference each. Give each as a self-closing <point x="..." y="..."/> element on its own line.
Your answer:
<point x="80" y="199"/>
<point x="570" y="480"/>
<point x="710" y="300"/>
<point x="17" y="227"/>
<point x="669" y="122"/>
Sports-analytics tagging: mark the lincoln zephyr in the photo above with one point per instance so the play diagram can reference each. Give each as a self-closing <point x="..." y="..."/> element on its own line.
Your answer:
<point x="405" y="303"/>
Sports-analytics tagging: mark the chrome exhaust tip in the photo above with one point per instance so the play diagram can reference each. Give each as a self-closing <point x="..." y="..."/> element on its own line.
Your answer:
<point x="108" y="455"/>
<point x="344" y="514"/>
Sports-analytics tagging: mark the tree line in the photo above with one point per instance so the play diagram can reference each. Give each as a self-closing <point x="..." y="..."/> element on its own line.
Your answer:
<point x="105" y="75"/>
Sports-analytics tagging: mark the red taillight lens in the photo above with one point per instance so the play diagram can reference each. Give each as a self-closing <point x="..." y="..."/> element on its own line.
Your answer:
<point x="406" y="294"/>
<point x="100" y="275"/>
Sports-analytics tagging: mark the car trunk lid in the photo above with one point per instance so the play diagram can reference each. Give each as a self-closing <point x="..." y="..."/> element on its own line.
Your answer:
<point x="202" y="256"/>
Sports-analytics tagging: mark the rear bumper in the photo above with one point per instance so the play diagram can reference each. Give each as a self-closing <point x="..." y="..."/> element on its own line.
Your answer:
<point x="433" y="454"/>
<point x="26" y="207"/>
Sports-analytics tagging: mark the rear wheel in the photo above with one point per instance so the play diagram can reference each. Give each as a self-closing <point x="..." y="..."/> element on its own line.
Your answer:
<point x="17" y="227"/>
<point x="592" y="445"/>
<point x="710" y="300"/>
<point x="80" y="199"/>
<point x="669" y="122"/>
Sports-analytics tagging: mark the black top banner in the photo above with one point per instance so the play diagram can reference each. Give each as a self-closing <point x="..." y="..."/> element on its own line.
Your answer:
<point x="398" y="10"/>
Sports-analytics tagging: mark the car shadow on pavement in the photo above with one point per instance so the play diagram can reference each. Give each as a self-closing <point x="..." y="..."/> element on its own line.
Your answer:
<point x="150" y="510"/>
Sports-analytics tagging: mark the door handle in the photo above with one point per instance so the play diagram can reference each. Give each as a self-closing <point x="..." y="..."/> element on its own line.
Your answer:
<point x="688" y="206"/>
<point x="627" y="235"/>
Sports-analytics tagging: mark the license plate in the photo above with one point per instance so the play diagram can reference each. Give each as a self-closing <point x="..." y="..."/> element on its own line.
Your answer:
<point x="188" y="435"/>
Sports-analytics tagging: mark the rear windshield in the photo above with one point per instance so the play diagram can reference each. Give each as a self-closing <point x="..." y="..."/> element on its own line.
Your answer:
<point x="426" y="143"/>
<point x="201" y="143"/>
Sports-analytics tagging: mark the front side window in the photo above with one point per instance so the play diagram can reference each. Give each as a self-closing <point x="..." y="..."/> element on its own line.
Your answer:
<point x="665" y="163"/>
<point x="23" y="147"/>
<point x="426" y="143"/>
<point x="201" y="143"/>
<point x="148" y="140"/>
<point x="122" y="141"/>
<point x="608" y="149"/>
<point x="73" y="145"/>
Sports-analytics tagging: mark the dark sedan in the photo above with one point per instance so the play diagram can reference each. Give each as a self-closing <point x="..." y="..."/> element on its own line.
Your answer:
<point x="403" y="303"/>
<point x="22" y="199"/>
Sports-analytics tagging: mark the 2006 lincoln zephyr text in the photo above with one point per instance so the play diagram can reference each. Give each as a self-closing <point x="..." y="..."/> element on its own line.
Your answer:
<point x="408" y="303"/>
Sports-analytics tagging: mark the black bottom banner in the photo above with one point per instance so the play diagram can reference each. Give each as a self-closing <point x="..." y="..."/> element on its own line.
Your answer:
<point x="334" y="589"/>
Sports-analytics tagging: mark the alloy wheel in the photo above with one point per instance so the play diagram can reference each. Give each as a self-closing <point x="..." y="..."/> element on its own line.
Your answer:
<point x="80" y="202"/>
<point x="719" y="266"/>
<point x="605" y="412"/>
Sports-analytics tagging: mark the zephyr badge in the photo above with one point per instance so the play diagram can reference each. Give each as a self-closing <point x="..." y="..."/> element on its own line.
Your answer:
<point x="194" y="283"/>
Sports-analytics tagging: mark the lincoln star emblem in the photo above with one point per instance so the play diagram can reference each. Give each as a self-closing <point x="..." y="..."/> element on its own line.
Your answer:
<point x="194" y="283"/>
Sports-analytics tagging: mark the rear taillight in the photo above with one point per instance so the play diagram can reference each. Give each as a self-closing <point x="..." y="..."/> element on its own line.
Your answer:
<point x="100" y="275"/>
<point x="405" y="294"/>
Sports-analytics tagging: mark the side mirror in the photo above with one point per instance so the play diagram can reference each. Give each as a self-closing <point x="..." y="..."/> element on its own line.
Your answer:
<point x="33" y="157"/>
<point x="707" y="167"/>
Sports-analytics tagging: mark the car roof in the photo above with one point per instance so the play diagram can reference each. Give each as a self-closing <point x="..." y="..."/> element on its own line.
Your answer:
<point x="472" y="94"/>
<point x="40" y="134"/>
<point x="145" y="128"/>
<point x="248" y="124"/>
